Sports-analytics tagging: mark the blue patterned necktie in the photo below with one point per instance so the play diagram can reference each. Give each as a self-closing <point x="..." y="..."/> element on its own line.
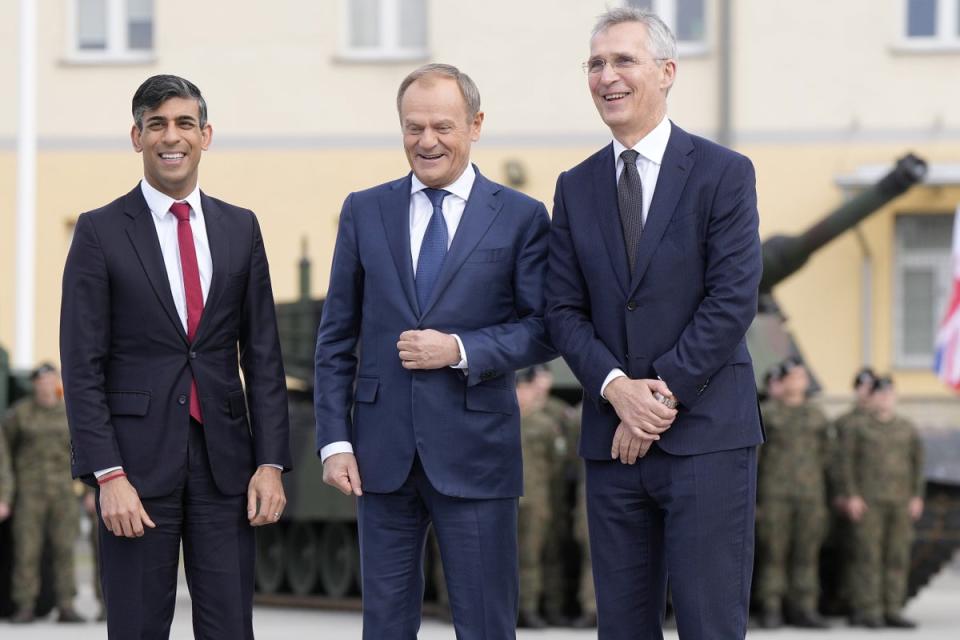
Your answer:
<point x="434" y="248"/>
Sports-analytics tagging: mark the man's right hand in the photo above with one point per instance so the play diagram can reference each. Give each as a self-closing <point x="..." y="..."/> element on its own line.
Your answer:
<point x="340" y="470"/>
<point x="121" y="509"/>
<point x="4" y="511"/>
<point x="638" y="409"/>
<point x="628" y="447"/>
<point x="856" y="507"/>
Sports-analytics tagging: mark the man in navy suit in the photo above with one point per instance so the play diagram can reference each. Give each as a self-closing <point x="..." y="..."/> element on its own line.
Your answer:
<point x="164" y="288"/>
<point x="435" y="299"/>
<point x="654" y="268"/>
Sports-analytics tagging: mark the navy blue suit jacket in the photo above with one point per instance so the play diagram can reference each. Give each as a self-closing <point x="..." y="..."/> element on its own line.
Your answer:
<point x="465" y="428"/>
<point x="684" y="313"/>
<point x="127" y="363"/>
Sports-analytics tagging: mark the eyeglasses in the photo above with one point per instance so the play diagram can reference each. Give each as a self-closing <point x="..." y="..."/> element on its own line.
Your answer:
<point x="595" y="66"/>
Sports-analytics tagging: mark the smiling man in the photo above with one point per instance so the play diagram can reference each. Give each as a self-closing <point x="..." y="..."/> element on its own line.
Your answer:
<point x="654" y="269"/>
<point x="435" y="300"/>
<point x="162" y="289"/>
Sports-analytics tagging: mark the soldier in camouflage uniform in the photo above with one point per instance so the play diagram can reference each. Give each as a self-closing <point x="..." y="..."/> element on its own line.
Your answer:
<point x="884" y="484"/>
<point x="45" y="507"/>
<point x="791" y="503"/>
<point x="6" y="480"/>
<point x="538" y="433"/>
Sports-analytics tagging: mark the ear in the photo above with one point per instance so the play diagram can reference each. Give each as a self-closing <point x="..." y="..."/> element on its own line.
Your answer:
<point x="668" y="73"/>
<point x="135" y="134"/>
<point x="206" y="136"/>
<point x="475" y="126"/>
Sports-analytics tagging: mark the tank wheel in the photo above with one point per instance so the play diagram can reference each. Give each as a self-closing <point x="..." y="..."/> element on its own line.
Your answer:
<point x="270" y="559"/>
<point x="339" y="559"/>
<point x="302" y="558"/>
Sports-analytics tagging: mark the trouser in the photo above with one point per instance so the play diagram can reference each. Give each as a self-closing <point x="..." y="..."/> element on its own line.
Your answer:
<point x="881" y="560"/>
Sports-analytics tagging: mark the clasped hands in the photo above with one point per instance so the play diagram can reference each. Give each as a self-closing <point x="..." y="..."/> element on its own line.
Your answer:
<point x="418" y="350"/>
<point x="643" y="416"/>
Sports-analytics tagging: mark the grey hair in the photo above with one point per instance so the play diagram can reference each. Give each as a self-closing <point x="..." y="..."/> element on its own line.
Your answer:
<point x="156" y="90"/>
<point x="660" y="40"/>
<point x="471" y="95"/>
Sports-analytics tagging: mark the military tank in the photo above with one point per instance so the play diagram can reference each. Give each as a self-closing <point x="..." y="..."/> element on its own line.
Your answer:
<point x="311" y="556"/>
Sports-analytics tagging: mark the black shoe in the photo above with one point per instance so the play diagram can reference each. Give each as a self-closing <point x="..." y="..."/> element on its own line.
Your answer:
<point x="587" y="620"/>
<point x="23" y="616"/>
<point x="771" y="620"/>
<point x="69" y="616"/>
<point x="557" y="620"/>
<point x="870" y="622"/>
<point x="897" y="621"/>
<point x="807" y="620"/>
<point x="530" y="620"/>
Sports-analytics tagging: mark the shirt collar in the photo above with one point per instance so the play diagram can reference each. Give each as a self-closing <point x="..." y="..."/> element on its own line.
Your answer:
<point x="460" y="187"/>
<point x="160" y="202"/>
<point x="652" y="146"/>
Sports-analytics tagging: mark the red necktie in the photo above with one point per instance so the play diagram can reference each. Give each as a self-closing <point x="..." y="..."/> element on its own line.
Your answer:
<point x="191" y="285"/>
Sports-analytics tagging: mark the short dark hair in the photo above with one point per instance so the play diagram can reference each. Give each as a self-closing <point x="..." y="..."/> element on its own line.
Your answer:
<point x="156" y="90"/>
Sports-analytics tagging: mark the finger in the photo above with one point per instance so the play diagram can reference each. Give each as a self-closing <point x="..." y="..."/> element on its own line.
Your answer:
<point x="642" y="431"/>
<point x="145" y="519"/>
<point x="615" y="448"/>
<point x="251" y="503"/>
<point x="354" y="474"/>
<point x="126" y="526"/>
<point x="624" y="452"/>
<point x="661" y="387"/>
<point x="407" y="355"/>
<point x="634" y="450"/>
<point x="644" y="448"/>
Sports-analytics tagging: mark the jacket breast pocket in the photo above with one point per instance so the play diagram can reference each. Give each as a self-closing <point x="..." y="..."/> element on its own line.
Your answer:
<point x="488" y="255"/>
<point x="128" y="403"/>
<point x="491" y="399"/>
<point x="237" y="403"/>
<point x="366" y="390"/>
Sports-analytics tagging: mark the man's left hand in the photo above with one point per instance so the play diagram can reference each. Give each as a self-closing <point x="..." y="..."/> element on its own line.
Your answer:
<point x="428" y="349"/>
<point x="915" y="507"/>
<point x="265" y="497"/>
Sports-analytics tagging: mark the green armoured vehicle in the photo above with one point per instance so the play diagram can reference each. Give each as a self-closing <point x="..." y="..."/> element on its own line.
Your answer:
<point x="311" y="557"/>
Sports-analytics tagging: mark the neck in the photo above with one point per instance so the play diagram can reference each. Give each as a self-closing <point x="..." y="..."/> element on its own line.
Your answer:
<point x="630" y="136"/>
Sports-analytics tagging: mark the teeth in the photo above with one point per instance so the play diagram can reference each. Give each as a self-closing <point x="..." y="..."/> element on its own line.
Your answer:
<point x="615" y="96"/>
<point x="171" y="156"/>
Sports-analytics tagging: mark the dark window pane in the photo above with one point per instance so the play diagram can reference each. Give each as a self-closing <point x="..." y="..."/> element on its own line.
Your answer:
<point x="140" y="24"/>
<point x="365" y="23"/>
<point x="690" y="26"/>
<point x="413" y="24"/>
<point x="925" y="232"/>
<point x="919" y="300"/>
<point x="91" y="24"/>
<point x="921" y="18"/>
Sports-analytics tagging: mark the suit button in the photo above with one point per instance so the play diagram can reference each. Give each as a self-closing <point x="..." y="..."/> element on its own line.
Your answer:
<point x="632" y="305"/>
<point x="182" y="399"/>
<point x="193" y="355"/>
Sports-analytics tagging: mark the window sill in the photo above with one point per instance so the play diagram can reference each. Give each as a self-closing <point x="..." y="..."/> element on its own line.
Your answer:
<point x="913" y="47"/>
<point x="99" y="58"/>
<point x="380" y="56"/>
<point x="687" y="50"/>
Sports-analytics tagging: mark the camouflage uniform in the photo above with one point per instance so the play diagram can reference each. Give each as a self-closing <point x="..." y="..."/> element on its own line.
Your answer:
<point x="586" y="595"/>
<point x="6" y="473"/>
<point x="884" y="466"/>
<point x="538" y="433"/>
<point x="46" y="507"/>
<point x="791" y="505"/>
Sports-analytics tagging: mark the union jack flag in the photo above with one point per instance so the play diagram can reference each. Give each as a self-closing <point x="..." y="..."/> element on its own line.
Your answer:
<point x="947" y="358"/>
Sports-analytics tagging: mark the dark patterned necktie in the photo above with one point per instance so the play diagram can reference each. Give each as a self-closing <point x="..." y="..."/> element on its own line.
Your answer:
<point x="630" y="199"/>
<point x="433" y="249"/>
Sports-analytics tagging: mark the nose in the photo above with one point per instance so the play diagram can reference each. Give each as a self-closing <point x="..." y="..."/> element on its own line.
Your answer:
<point x="608" y="73"/>
<point x="171" y="133"/>
<point x="428" y="139"/>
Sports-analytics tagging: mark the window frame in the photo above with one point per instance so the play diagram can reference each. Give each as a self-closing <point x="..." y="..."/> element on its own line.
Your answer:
<point x="667" y="10"/>
<point x="947" y="37"/>
<point x="117" y="50"/>
<point x="388" y="48"/>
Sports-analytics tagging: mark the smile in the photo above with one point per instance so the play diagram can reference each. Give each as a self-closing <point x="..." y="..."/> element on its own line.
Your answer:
<point x="610" y="97"/>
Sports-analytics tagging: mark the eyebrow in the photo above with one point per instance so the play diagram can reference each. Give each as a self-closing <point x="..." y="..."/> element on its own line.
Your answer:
<point x="183" y="118"/>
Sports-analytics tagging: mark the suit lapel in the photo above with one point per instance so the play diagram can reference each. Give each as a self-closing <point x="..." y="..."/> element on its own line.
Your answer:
<point x="395" y="214"/>
<point x="217" y="238"/>
<point x="481" y="210"/>
<point x="604" y="185"/>
<point x="143" y="234"/>
<point x="674" y="171"/>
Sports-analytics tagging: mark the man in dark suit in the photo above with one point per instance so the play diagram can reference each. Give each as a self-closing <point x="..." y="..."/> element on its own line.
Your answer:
<point x="654" y="268"/>
<point x="164" y="290"/>
<point x="435" y="299"/>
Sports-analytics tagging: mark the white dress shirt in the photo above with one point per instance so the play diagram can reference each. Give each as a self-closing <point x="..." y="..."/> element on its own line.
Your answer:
<point x="651" y="149"/>
<point x="166" y="224"/>
<point x="421" y="210"/>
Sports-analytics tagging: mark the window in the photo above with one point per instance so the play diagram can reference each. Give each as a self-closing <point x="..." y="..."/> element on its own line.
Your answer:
<point x="384" y="29"/>
<point x="931" y="24"/>
<point x="687" y="19"/>
<point x="110" y="30"/>
<point x="922" y="282"/>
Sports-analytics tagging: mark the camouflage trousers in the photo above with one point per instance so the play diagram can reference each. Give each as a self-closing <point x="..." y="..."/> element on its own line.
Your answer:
<point x="585" y="593"/>
<point x="532" y="522"/>
<point x="881" y="559"/>
<point x="790" y="532"/>
<point x="50" y="514"/>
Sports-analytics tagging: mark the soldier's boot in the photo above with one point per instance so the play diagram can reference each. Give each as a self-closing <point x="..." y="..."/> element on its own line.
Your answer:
<point x="69" y="615"/>
<point x="530" y="620"/>
<point x="897" y="621"/>
<point x="587" y="620"/>
<point x="771" y="619"/>
<point x="866" y="620"/>
<point x="556" y="619"/>
<point x="24" y="615"/>
<point x="807" y="619"/>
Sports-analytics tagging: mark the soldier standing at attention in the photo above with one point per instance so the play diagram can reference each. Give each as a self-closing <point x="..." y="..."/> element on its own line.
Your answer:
<point x="45" y="507"/>
<point x="537" y="433"/>
<point x="791" y="504"/>
<point x="6" y="480"/>
<point x="884" y="483"/>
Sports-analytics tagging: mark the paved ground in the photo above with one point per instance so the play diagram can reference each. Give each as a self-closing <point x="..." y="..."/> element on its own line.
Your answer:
<point x="937" y="610"/>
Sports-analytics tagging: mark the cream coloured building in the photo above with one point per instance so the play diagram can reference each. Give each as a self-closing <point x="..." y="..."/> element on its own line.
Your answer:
<point x="823" y="96"/>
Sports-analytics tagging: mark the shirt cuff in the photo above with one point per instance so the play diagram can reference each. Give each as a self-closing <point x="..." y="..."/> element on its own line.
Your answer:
<point x="275" y="466"/>
<point x="463" y="354"/>
<point x="613" y="375"/>
<point x="103" y="472"/>
<point x="333" y="448"/>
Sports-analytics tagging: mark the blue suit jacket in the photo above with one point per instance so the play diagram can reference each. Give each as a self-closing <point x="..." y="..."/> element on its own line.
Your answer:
<point x="683" y="314"/>
<point x="465" y="427"/>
